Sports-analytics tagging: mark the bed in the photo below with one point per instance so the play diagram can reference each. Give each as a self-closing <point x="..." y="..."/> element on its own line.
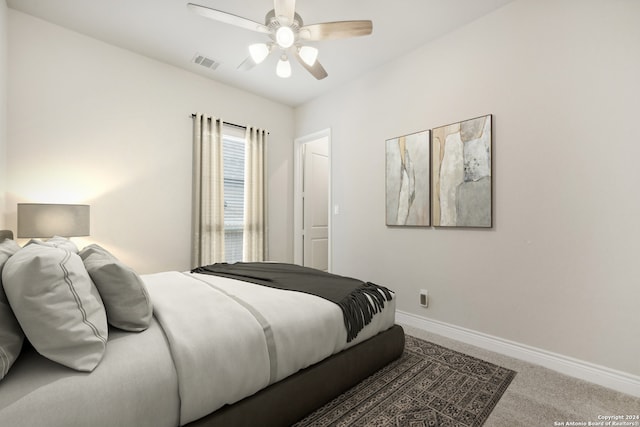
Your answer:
<point x="215" y="352"/>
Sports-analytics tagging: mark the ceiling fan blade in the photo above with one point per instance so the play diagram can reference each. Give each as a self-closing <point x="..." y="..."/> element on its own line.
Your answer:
<point x="286" y="8"/>
<point x="247" y="64"/>
<point x="336" y="30"/>
<point x="228" y="18"/>
<point x="316" y="70"/>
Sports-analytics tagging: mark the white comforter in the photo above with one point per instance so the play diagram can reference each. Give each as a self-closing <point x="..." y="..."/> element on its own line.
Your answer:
<point x="135" y="384"/>
<point x="230" y="339"/>
<point x="213" y="341"/>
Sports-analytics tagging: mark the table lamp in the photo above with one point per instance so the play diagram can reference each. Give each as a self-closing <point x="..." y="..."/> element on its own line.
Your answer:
<point x="48" y="220"/>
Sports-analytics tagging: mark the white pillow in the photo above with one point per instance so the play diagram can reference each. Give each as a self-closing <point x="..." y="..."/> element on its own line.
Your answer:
<point x="57" y="305"/>
<point x="11" y="335"/>
<point x="56" y="242"/>
<point x="124" y="294"/>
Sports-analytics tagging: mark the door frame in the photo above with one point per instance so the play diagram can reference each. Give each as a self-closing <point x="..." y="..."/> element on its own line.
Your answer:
<point x="298" y="162"/>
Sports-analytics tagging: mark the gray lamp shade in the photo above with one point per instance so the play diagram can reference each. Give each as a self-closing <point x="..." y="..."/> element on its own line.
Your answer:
<point x="48" y="220"/>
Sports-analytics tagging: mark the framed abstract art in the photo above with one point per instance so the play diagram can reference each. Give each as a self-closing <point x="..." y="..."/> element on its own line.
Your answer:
<point x="407" y="180"/>
<point x="461" y="174"/>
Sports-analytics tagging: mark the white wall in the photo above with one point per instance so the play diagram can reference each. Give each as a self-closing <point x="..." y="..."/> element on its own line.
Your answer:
<point x="92" y="123"/>
<point x="559" y="269"/>
<point x="3" y="108"/>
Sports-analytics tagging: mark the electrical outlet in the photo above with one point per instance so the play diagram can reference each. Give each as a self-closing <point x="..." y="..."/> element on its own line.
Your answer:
<point x="424" y="298"/>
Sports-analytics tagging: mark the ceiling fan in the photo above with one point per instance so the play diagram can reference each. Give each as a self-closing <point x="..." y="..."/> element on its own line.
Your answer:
<point x="287" y="33"/>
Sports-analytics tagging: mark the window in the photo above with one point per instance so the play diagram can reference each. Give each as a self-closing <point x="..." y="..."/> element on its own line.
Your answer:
<point x="226" y="229"/>
<point x="233" y="162"/>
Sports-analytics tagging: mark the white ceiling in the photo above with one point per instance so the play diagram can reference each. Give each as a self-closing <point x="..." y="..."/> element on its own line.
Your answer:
<point x="166" y="30"/>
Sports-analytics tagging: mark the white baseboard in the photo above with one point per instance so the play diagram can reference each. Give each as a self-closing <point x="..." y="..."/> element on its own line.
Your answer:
<point x="611" y="378"/>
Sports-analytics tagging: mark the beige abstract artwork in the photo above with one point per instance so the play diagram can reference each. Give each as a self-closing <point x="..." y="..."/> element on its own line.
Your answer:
<point x="461" y="174"/>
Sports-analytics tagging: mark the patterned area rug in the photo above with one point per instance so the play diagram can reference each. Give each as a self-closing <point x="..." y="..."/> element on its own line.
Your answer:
<point x="429" y="385"/>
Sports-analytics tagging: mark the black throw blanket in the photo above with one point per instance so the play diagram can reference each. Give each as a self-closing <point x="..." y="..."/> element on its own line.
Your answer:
<point x="358" y="300"/>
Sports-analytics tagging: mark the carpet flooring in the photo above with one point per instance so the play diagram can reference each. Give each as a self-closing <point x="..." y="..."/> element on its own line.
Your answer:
<point x="429" y="385"/>
<point x="540" y="397"/>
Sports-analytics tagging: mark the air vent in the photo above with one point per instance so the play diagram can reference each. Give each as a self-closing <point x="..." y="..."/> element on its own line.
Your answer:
<point x="205" y="62"/>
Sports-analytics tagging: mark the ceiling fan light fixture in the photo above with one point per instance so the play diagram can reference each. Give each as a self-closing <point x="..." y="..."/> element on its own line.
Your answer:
<point x="259" y="52"/>
<point x="285" y="37"/>
<point x="283" y="69"/>
<point x="309" y="55"/>
<point x="285" y="28"/>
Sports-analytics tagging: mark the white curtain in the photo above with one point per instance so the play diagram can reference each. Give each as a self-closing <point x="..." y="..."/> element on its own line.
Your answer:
<point x="254" y="236"/>
<point x="208" y="191"/>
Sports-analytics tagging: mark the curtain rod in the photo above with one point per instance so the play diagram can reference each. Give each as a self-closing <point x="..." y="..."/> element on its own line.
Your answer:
<point x="226" y="123"/>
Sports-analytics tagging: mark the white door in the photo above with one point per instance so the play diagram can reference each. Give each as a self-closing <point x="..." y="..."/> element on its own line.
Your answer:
<point x="315" y="204"/>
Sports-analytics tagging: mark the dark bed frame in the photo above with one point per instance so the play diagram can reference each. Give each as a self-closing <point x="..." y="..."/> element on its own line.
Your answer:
<point x="288" y="401"/>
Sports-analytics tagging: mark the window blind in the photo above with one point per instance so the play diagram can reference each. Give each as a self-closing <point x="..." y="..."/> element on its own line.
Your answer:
<point x="233" y="164"/>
